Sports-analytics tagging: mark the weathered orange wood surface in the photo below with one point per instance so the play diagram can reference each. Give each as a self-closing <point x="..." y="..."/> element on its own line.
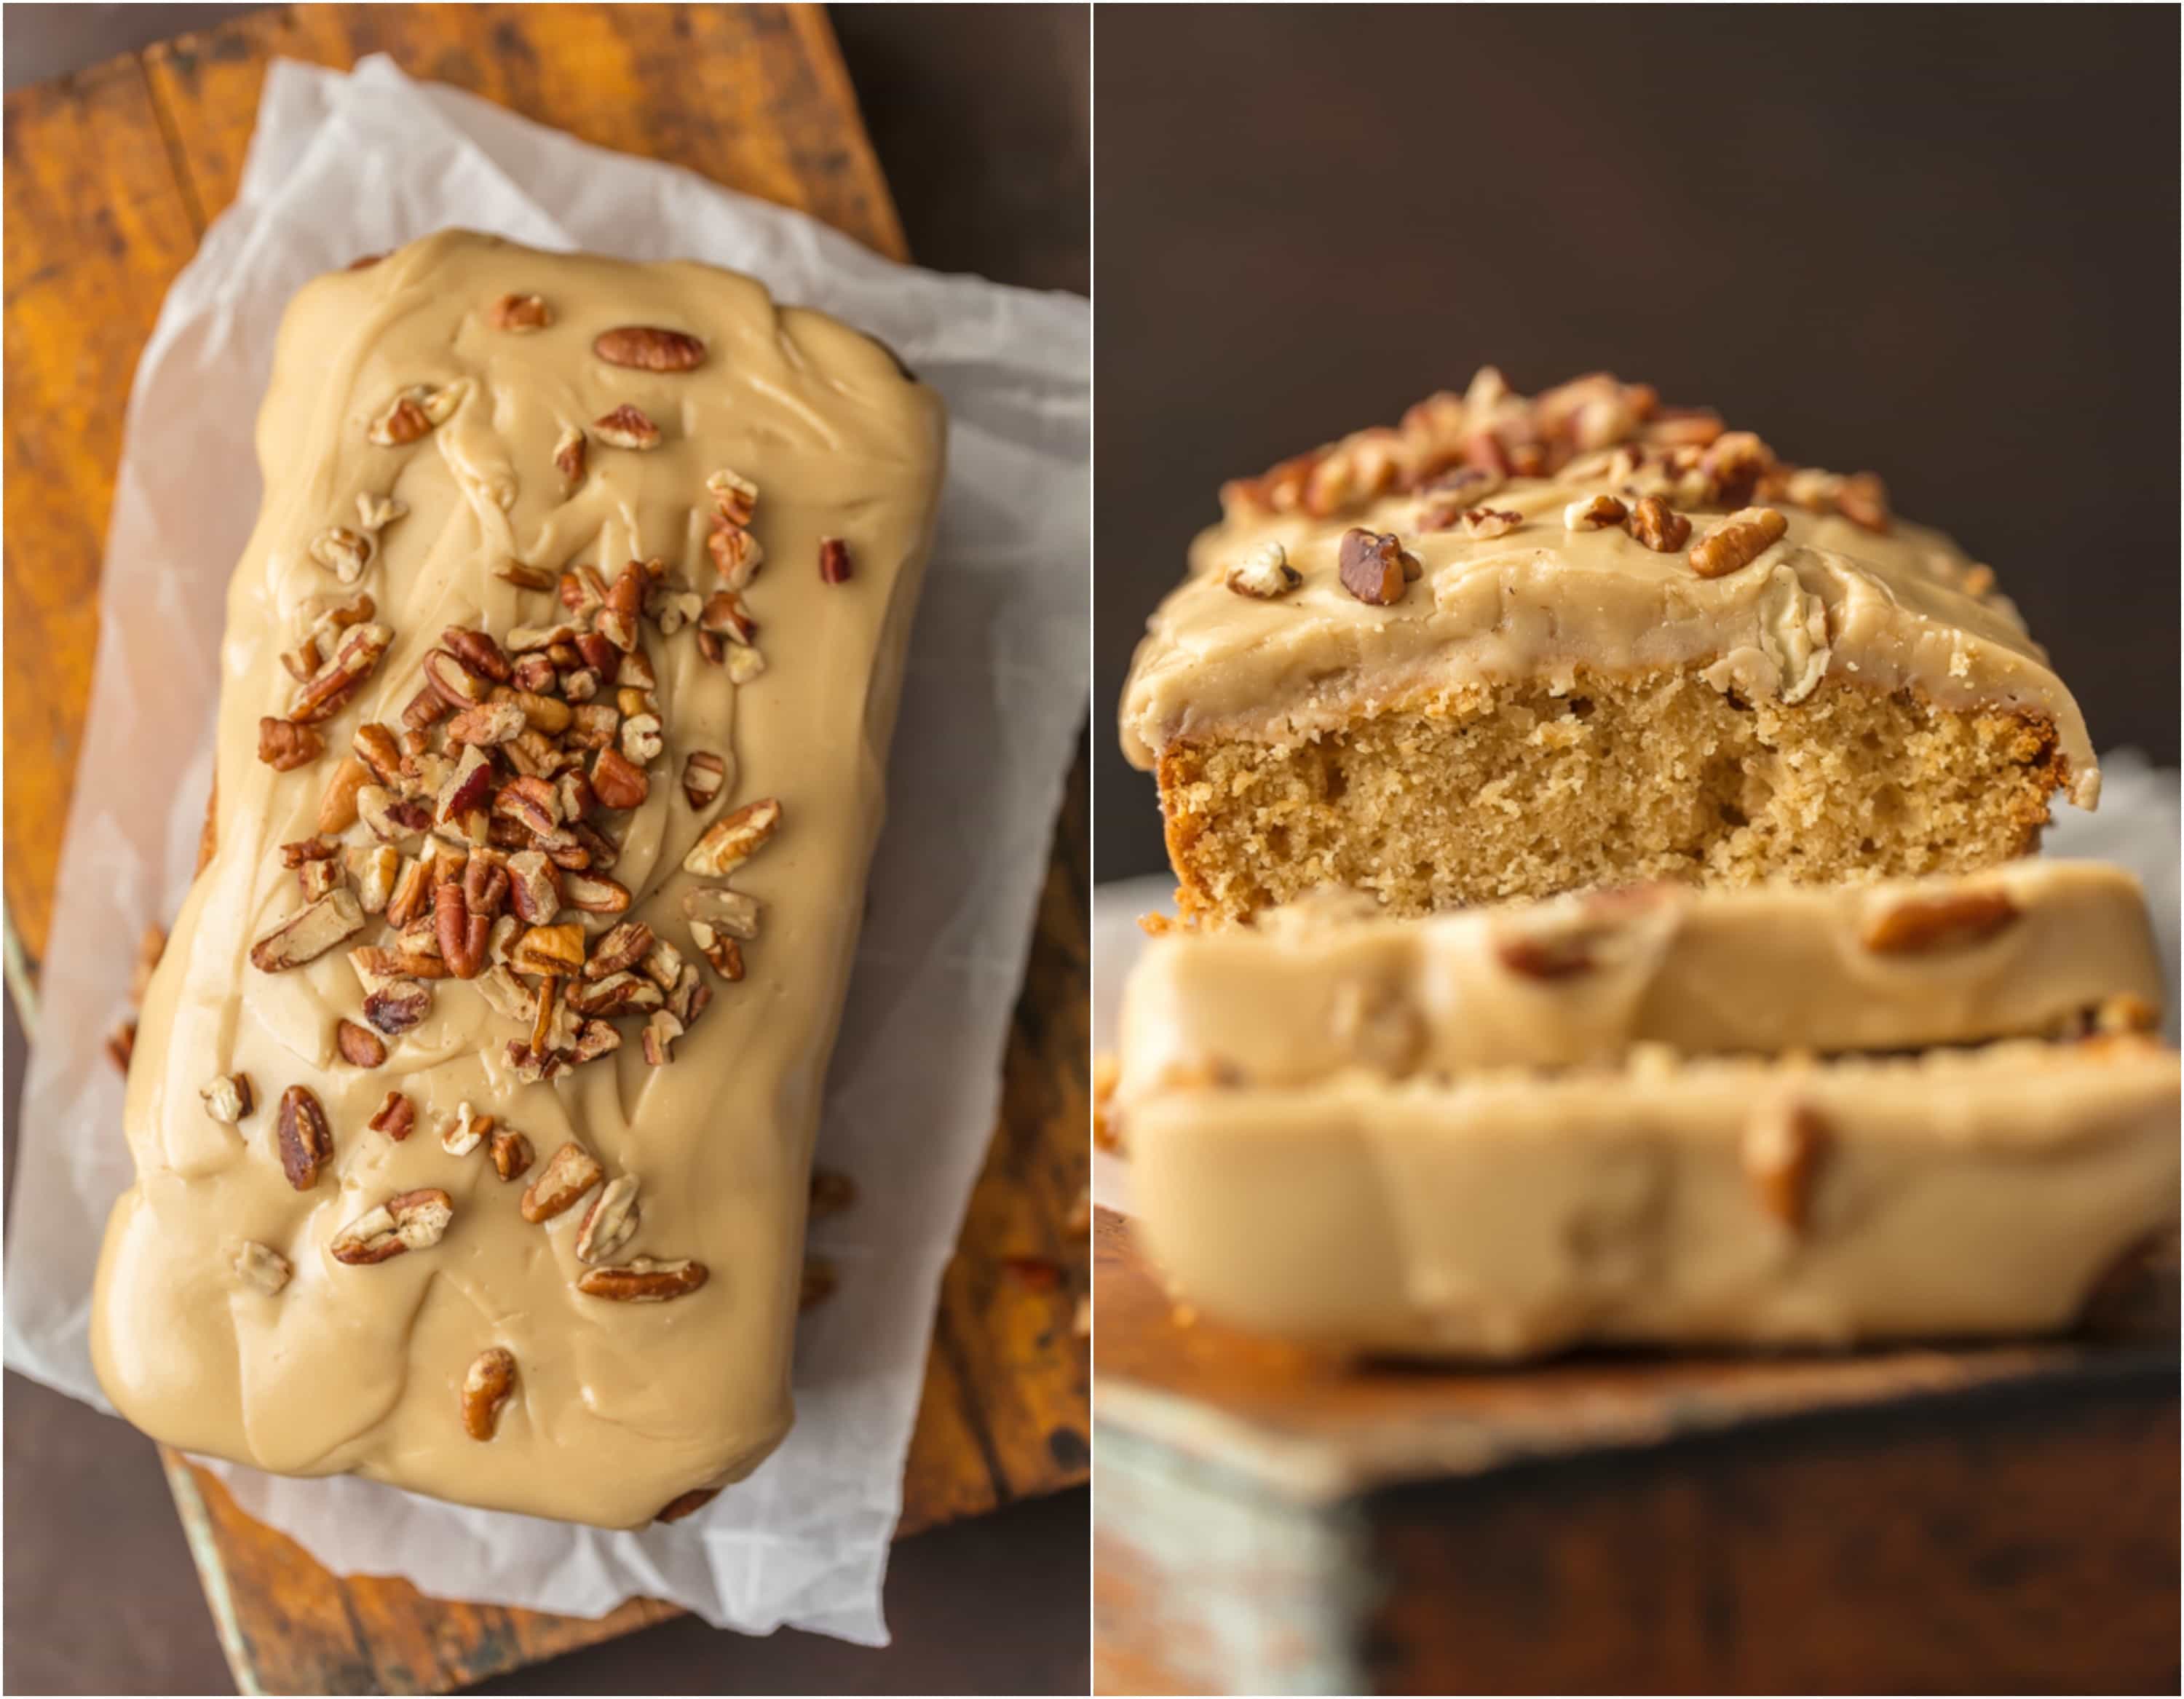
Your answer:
<point x="1272" y="1518"/>
<point x="112" y="176"/>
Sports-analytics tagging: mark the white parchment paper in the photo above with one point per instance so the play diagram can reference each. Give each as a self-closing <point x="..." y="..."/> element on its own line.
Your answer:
<point x="343" y="165"/>
<point x="2136" y="827"/>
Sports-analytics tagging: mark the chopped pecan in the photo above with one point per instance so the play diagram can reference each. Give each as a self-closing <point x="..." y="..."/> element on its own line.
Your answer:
<point x="261" y="1267"/>
<point x="834" y="562"/>
<point x="592" y="895"/>
<point x="360" y="1046"/>
<point x="723" y="952"/>
<point x="1925" y="925"/>
<point x="732" y="912"/>
<point x="524" y="577"/>
<point x="318" y="878"/>
<point x="534" y="888"/>
<point x="397" y="1007"/>
<point x="468" y="789"/>
<point x="569" y="457"/>
<point x="284" y="745"/>
<point x="617" y="783"/>
<point x="305" y="1141"/>
<point x="1737" y="541"/>
<point x="375" y="748"/>
<point x="511" y="1153"/>
<point x="737" y="554"/>
<point x="531" y="803"/>
<point x="453" y="680"/>
<point x="309" y="933"/>
<point x="337" y="806"/>
<point x="375" y="867"/>
<point x="616" y="994"/>
<point x="228" y="1098"/>
<point x="412" y="892"/>
<point x="594" y="1040"/>
<point x="488" y="724"/>
<point x="569" y="1174"/>
<point x="408" y="1221"/>
<point x="1373" y="567"/>
<point x="487" y="1384"/>
<point x="1863" y="499"/>
<point x="648" y="347"/>
<point x="725" y="615"/>
<point x="733" y="838"/>
<point x="395" y="1117"/>
<point x="519" y="313"/>
<point x="644" y="1280"/>
<point x="1657" y="526"/>
<point x="342" y="552"/>
<point x="687" y="1000"/>
<point x="1594" y="513"/>
<point x="1263" y="573"/>
<point x="611" y="1223"/>
<point x="551" y="949"/>
<point x="704" y="775"/>
<point x="410" y="415"/>
<point x="424" y="708"/>
<point x="478" y="652"/>
<point x="643" y="739"/>
<point x="466" y="1133"/>
<point x="461" y="934"/>
<point x="1783" y="1149"/>
<point x="620" y="948"/>
<point x="661" y="1029"/>
<point x="663" y="964"/>
<point x="1484" y="522"/>
<point x="626" y="427"/>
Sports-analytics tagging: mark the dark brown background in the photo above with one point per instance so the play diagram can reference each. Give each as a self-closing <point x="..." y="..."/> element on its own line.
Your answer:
<point x="979" y="119"/>
<point x="1940" y="242"/>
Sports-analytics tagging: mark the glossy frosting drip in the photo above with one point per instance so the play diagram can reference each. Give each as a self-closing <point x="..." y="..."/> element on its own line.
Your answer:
<point x="615" y="1408"/>
<point x="1845" y="592"/>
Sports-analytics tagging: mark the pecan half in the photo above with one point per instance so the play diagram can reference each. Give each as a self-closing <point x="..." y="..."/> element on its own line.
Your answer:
<point x="360" y="1046"/>
<point x="1373" y="567"/>
<point x="395" y="1117"/>
<point x="733" y="838"/>
<point x="228" y="1098"/>
<point x="611" y="1223"/>
<point x="461" y="934"/>
<point x="835" y="565"/>
<point x="261" y="1268"/>
<point x="644" y="1280"/>
<point x="306" y="1142"/>
<point x="626" y="427"/>
<point x="284" y="745"/>
<point x="1737" y="541"/>
<point x="408" y="1221"/>
<point x="1921" y="926"/>
<point x="648" y="347"/>
<point x="569" y="1174"/>
<point x="309" y="933"/>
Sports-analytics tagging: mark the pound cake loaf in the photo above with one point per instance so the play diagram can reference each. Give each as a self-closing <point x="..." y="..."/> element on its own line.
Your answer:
<point x="1744" y="1200"/>
<point x="1516" y="647"/>
<point x="1329" y="984"/>
<point x="473" y="1101"/>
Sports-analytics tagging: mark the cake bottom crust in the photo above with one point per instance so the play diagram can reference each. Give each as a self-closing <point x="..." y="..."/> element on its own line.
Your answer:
<point x="1483" y="793"/>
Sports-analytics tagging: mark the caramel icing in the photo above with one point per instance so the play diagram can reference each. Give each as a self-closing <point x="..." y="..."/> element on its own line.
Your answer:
<point x="1957" y="1193"/>
<point x="618" y="1407"/>
<point x="1324" y="986"/>
<point x="1899" y="610"/>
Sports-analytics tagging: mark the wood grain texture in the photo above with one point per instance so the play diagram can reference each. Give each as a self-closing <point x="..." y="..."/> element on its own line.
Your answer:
<point x="112" y="177"/>
<point x="1272" y="1519"/>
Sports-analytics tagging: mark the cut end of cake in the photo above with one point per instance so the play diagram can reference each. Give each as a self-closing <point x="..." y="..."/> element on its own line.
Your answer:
<point x="1487" y="794"/>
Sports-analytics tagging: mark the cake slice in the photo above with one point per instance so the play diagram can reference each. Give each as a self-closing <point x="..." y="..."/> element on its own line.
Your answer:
<point x="1518" y="647"/>
<point x="1744" y="1201"/>
<point x="1329" y="983"/>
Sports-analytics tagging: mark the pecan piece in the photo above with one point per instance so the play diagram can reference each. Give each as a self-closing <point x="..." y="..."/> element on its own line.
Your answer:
<point x="1737" y="541"/>
<point x="453" y="680"/>
<point x="461" y="934"/>
<point x="618" y="993"/>
<point x="284" y="745"/>
<point x="620" y="948"/>
<point x="648" y="347"/>
<point x="1485" y="522"/>
<point x="468" y="790"/>
<point x="725" y="615"/>
<point x="732" y="912"/>
<point x="488" y="724"/>
<point x="642" y="738"/>
<point x="534" y="888"/>
<point x="1594" y="513"/>
<point x="1782" y="1151"/>
<point x="305" y="1141"/>
<point x="569" y="1174"/>
<point x="611" y="1223"/>
<point x="703" y="775"/>
<point x="376" y="747"/>
<point x="733" y="838"/>
<point x="1264" y="573"/>
<point x="261" y="1268"/>
<point x="360" y="1046"/>
<point x="341" y="552"/>
<point x="618" y="782"/>
<point x="338" y="807"/>
<point x="397" y="1007"/>
<point x="478" y="651"/>
<point x="1923" y="924"/>
<point x="1373" y="567"/>
<point x="589" y="893"/>
<point x="466" y="1133"/>
<point x="834" y="562"/>
<point x="1863" y="499"/>
<point x="413" y="890"/>
<point x="408" y="1221"/>
<point x="511" y="1153"/>
<point x="487" y="1383"/>
<point x="723" y="952"/>
<point x="1657" y="526"/>
<point x="569" y="457"/>
<point x="395" y="1117"/>
<point x="549" y="949"/>
<point x="626" y="427"/>
<point x="228" y="1098"/>
<point x="519" y="313"/>
<point x="309" y="933"/>
<point x="661" y="1029"/>
<point x="318" y="879"/>
<point x="644" y="1280"/>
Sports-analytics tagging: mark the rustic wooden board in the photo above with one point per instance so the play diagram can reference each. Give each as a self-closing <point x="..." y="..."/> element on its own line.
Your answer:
<point x="1911" y="1519"/>
<point x="112" y="176"/>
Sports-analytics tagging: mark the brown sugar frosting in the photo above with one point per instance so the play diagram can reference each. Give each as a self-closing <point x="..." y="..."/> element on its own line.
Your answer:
<point x="472" y="1104"/>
